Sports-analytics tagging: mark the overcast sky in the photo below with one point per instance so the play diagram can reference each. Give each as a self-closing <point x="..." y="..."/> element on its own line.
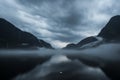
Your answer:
<point x="60" y="22"/>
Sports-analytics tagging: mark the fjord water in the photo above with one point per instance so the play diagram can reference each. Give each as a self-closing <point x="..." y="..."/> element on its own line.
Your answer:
<point x="46" y="64"/>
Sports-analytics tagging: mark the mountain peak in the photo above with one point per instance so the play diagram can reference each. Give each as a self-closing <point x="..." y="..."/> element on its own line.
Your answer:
<point x="112" y="29"/>
<point x="2" y="19"/>
<point x="115" y="17"/>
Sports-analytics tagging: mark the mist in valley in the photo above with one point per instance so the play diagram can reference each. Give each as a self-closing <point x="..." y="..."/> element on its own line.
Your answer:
<point x="46" y="64"/>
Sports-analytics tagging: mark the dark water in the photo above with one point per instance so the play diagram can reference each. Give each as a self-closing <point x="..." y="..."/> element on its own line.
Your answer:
<point x="101" y="63"/>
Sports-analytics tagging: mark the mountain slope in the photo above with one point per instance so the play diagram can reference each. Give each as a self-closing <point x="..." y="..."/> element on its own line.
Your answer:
<point x="84" y="43"/>
<point x="110" y="33"/>
<point x="112" y="29"/>
<point x="12" y="37"/>
<point x="45" y="44"/>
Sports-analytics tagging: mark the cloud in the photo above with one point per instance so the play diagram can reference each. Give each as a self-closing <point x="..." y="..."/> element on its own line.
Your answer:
<point x="64" y="20"/>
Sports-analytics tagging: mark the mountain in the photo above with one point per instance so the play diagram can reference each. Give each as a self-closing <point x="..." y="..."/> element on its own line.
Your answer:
<point x="45" y="44"/>
<point x="110" y="33"/>
<point x="86" y="42"/>
<point x="12" y="37"/>
<point x="112" y="29"/>
<point x="71" y="46"/>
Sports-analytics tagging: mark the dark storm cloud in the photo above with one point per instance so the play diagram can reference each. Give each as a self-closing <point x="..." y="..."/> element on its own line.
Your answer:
<point x="61" y="12"/>
<point x="67" y="38"/>
<point x="64" y="21"/>
<point x="66" y="35"/>
<point x="62" y="16"/>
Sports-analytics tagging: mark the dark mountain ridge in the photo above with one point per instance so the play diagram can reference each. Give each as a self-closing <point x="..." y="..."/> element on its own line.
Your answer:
<point x="110" y="33"/>
<point x="82" y="43"/>
<point x="112" y="29"/>
<point x="13" y="37"/>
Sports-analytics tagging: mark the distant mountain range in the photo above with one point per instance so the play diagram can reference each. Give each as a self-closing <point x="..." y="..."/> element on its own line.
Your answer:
<point x="109" y="34"/>
<point x="12" y="37"/>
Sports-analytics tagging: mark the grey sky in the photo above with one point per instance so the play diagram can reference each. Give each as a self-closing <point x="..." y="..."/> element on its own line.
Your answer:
<point x="59" y="22"/>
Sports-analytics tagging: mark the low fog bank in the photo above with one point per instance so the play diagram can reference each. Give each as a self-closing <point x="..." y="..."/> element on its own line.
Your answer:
<point x="105" y="52"/>
<point x="45" y="64"/>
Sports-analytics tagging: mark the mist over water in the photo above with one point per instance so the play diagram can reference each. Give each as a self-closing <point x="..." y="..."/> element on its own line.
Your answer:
<point x="65" y="64"/>
<point x="61" y="67"/>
